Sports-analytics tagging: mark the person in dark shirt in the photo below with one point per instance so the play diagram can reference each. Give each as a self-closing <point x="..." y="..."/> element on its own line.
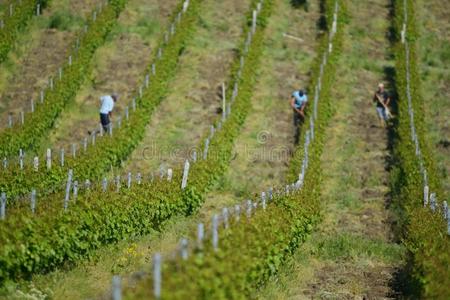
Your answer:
<point x="382" y="100"/>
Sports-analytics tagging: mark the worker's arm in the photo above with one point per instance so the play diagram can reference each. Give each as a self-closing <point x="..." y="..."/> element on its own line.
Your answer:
<point x="388" y="100"/>
<point x="110" y="114"/>
<point x="299" y="111"/>
<point x="302" y="109"/>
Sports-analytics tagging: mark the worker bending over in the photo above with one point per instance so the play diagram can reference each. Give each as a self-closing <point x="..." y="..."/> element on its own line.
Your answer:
<point x="298" y="103"/>
<point x="106" y="108"/>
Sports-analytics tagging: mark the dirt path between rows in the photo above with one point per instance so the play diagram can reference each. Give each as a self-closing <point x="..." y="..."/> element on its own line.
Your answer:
<point x="39" y="52"/>
<point x="353" y="254"/>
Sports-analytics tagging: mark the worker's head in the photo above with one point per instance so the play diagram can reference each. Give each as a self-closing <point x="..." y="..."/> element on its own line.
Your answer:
<point x="115" y="97"/>
<point x="381" y="86"/>
<point x="301" y="93"/>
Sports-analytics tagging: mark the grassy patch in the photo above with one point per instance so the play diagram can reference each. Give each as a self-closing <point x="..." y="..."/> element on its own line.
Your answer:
<point x="352" y="247"/>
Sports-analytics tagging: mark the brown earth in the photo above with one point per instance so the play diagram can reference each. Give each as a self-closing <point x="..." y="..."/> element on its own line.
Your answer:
<point x="119" y="66"/>
<point x="37" y="58"/>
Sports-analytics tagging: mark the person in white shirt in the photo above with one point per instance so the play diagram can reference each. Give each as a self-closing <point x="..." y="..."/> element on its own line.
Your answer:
<point x="106" y="108"/>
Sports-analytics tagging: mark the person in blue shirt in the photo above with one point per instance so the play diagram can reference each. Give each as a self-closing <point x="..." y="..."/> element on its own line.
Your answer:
<point x="298" y="103"/>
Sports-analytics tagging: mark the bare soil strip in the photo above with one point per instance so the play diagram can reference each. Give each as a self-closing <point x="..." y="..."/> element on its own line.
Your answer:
<point x="39" y="52"/>
<point x="352" y="255"/>
<point x="195" y="94"/>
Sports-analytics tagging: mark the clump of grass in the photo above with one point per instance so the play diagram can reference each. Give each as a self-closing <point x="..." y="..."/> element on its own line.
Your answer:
<point x="64" y="21"/>
<point x="346" y="246"/>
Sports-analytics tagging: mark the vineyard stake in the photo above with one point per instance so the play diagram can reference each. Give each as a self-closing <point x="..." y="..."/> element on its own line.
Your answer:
<point x="224" y="100"/>
<point x="215" y="232"/>
<point x="200" y="235"/>
<point x="205" y="151"/>
<point x="185" y="175"/>
<point x="225" y="217"/>
<point x="157" y="275"/>
<point x="263" y="200"/>
<point x="36" y="163"/>
<point x="169" y="174"/>
<point x="184" y="249"/>
<point x="3" y="206"/>
<point x="33" y="201"/>
<point x="129" y="180"/>
<point x="68" y="186"/>
<point x="62" y="157"/>
<point x="249" y="209"/>
<point x="75" y="191"/>
<point x="116" y="288"/>
<point x="237" y="211"/>
<point x="104" y="184"/>
<point x="49" y="158"/>
<point x="425" y="195"/>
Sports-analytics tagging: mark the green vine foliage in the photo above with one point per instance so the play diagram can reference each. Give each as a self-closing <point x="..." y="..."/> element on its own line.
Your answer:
<point x="38" y="243"/>
<point x="424" y="232"/>
<point x="23" y="12"/>
<point x="251" y="252"/>
<point x="38" y="124"/>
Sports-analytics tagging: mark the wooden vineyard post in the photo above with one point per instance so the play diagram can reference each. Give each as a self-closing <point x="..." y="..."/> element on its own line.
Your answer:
<point x="205" y="151"/>
<point x="225" y="217"/>
<point x="104" y="184"/>
<point x="3" y="206"/>
<point x="237" y="212"/>
<point x="49" y="158"/>
<point x="33" y="201"/>
<point x="68" y="187"/>
<point x="116" y="288"/>
<point x="224" y="100"/>
<point x="200" y="235"/>
<point x="249" y="209"/>
<point x="157" y="260"/>
<point x="215" y="232"/>
<point x="36" y="163"/>
<point x="75" y="191"/>
<point x="62" y="157"/>
<point x="263" y="200"/>
<point x="169" y="174"/>
<point x="185" y="175"/>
